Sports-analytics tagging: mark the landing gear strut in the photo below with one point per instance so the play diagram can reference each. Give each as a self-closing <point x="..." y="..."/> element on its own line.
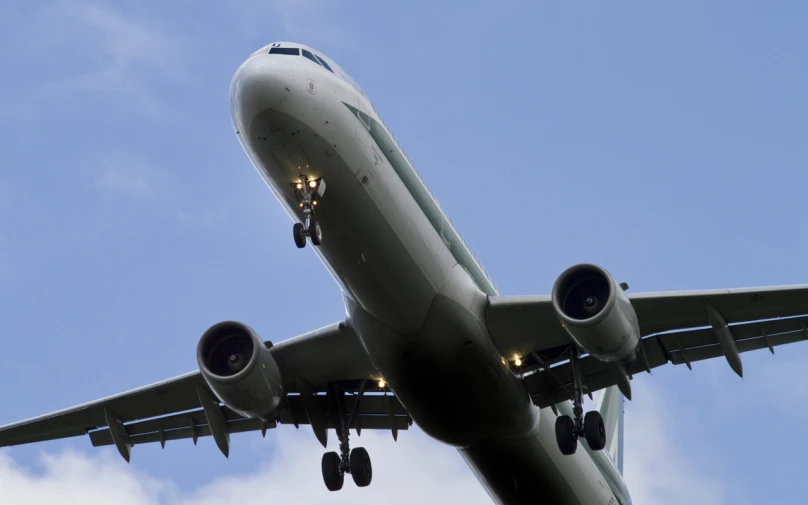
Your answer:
<point x="355" y="462"/>
<point x="569" y="430"/>
<point x="310" y="227"/>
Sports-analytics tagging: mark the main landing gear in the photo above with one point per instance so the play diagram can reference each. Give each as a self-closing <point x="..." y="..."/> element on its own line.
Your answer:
<point x="590" y="427"/>
<point x="310" y="227"/>
<point x="355" y="462"/>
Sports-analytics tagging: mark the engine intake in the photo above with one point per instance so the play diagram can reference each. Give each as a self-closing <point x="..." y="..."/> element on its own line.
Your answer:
<point x="239" y="369"/>
<point x="596" y="313"/>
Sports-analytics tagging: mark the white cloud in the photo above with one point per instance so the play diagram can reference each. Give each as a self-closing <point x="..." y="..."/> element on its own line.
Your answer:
<point x="657" y="470"/>
<point x="71" y="477"/>
<point x="415" y="469"/>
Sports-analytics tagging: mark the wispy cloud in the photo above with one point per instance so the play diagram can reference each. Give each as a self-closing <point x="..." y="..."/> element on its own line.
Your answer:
<point x="783" y="382"/>
<point x="657" y="470"/>
<point x="129" y="48"/>
<point x="415" y="469"/>
<point x="121" y="50"/>
<point x="128" y="176"/>
<point x="116" y="179"/>
<point x="8" y="201"/>
<point x="125" y="174"/>
<point x="312" y="22"/>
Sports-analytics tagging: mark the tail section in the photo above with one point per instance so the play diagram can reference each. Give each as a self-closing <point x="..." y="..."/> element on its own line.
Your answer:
<point x="610" y="407"/>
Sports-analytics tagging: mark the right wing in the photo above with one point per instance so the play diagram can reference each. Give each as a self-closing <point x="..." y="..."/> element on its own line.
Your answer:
<point x="326" y="363"/>
<point x="676" y="328"/>
<point x="521" y="325"/>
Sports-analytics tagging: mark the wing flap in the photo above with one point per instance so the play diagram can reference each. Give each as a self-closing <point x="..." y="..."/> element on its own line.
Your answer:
<point x="104" y="437"/>
<point x="375" y="412"/>
<point x="553" y="385"/>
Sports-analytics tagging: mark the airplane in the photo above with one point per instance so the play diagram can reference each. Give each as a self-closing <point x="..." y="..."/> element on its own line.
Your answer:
<point x="427" y="338"/>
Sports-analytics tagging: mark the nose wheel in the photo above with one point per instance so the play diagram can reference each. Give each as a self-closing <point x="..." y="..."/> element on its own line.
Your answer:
<point x="308" y="190"/>
<point x="310" y="229"/>
<point x="570" y="429"/>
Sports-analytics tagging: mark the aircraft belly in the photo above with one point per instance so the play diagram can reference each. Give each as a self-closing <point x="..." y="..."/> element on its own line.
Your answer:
<point x="532" y="470"/>
<point x="448" y="374"/>
<point x="418" y="313"/>
<point x="452" y="381"/>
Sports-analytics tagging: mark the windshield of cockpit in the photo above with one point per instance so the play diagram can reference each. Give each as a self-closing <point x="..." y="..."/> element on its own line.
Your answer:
<point x="282" y="49"/>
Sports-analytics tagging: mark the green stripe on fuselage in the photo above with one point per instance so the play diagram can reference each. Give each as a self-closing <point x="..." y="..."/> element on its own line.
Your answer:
<point x="415" y="185"/>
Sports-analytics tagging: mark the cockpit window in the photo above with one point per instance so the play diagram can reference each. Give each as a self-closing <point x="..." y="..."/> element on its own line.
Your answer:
<point x="325" y="64"/>
<point x="294" y="51"/>
<point x="310" y="56"/>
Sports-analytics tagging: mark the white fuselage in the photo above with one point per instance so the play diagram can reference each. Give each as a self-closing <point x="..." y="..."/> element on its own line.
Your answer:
<point x="413" y="291"/>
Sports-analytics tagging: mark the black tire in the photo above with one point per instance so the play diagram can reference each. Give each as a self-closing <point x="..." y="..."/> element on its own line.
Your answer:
<point x="300" y="238"/>
<point x="332" y="476"/>
<point x="361" y="470"/>
<point x="315" y="232"/>
<point x="565" y="435"/>
<point x="594" y="430"/>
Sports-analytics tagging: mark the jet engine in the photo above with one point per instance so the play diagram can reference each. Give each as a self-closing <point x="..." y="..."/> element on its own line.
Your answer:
<point x="239" y="369"/>
<point x="596" y="313"/>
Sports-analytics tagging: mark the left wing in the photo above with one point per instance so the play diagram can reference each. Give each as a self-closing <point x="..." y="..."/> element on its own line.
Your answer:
<point x="675" y="326"/>
<point x="328" y="364"/>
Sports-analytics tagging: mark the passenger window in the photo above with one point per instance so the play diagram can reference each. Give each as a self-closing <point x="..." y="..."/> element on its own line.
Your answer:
<point x="294" y="51"/>
<point x="310" y="56"/>
<point x="325" y="64"/>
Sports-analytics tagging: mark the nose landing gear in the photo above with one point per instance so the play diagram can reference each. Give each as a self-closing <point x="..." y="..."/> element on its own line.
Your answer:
<point x="591" y="427"/>
<point x="310" y="227"/>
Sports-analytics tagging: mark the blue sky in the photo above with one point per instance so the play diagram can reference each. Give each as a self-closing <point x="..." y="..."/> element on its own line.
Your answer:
<point x="665" y="142"/>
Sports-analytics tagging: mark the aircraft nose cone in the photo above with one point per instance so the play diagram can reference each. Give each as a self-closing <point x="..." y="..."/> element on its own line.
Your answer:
<point x="259" y="84"/>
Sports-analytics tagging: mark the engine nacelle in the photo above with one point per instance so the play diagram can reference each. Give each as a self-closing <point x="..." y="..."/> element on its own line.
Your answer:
<point x="239" y="369"/>
<point x="596" y="313"/>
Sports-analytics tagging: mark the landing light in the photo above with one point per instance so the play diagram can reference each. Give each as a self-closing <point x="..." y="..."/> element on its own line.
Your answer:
<point x="299" y="186"/>
<point x="517" y="362"/>
<point x="313" y="184"/>
<point x="381" y="384"/>
<point x="314" y="202"/>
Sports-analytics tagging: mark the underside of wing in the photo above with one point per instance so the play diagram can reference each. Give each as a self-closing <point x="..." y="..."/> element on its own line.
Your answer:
<point x="521" y="325"/>
<point x="658" y="312"/>
<point x="552" y="385"/>
<point x="372" y="409"/>
<point x="590" y="325"/>
<point x="323" y="379"/>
